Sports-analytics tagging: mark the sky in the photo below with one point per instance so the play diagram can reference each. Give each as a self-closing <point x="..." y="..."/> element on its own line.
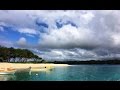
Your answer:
<point x="62" y="34"/>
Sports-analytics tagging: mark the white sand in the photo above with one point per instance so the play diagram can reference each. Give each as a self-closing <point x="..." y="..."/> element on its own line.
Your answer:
<point x="33" y="66"/>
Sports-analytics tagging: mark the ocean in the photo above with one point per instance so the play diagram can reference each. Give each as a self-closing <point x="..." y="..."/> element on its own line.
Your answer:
<point x="70" y="73"/>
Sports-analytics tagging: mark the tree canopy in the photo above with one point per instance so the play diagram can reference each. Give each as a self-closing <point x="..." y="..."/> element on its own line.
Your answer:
<point x="7" y="53"/>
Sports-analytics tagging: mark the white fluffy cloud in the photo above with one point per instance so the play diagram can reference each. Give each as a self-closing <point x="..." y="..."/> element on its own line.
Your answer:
<point x="69" y="37"/>
<point x="27" y="31"/>
<point x="73" y="37"/>
<point x="94" y="29"/>
<point x="21" y="41"/>
<point x="27" y="18"/>
<point x="18" y="18"/>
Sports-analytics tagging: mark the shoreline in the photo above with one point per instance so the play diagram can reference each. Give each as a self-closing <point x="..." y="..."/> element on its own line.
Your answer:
<point x="26" y="65"/>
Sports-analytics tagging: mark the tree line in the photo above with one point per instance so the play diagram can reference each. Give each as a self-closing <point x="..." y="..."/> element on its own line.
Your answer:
<point x="115" y="61"/>
<point x="22" y="54"/>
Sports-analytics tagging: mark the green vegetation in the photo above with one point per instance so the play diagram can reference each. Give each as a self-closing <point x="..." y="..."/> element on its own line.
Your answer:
<point x="22" y="55"/>
<point x="115" y="61"/>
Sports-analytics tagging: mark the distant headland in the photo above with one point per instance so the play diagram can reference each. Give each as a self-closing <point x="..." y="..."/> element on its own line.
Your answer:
<point x="88" y="62"/>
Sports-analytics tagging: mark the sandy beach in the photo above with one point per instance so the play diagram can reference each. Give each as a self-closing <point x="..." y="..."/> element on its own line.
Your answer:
<point x="33" y="66"/>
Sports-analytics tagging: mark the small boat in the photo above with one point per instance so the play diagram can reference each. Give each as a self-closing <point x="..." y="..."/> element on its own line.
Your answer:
<point x="7" y="71"/>
<point x="23" y="70"/>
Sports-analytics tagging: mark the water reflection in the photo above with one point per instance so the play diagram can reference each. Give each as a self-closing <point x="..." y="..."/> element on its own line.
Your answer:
<point x="44" y="70"/>
<point x="22" y="76"/>
<point x="7" y="77"/>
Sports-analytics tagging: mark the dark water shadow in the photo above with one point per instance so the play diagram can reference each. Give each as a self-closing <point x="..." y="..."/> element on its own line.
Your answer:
<point x="22" y="76"/>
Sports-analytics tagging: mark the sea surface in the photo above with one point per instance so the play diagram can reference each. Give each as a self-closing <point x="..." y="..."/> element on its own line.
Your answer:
<point x="70" y="73"/>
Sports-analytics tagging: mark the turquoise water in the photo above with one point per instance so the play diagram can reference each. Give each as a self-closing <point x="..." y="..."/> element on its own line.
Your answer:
<point x="70" y="73"/>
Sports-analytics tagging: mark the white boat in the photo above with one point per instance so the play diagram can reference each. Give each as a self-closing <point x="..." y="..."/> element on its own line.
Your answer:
<point x="23" y="70"/>
<point x="7" y="71"/>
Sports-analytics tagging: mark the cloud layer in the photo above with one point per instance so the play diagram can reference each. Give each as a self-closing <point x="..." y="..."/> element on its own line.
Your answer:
<point x="66" y="34"/>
